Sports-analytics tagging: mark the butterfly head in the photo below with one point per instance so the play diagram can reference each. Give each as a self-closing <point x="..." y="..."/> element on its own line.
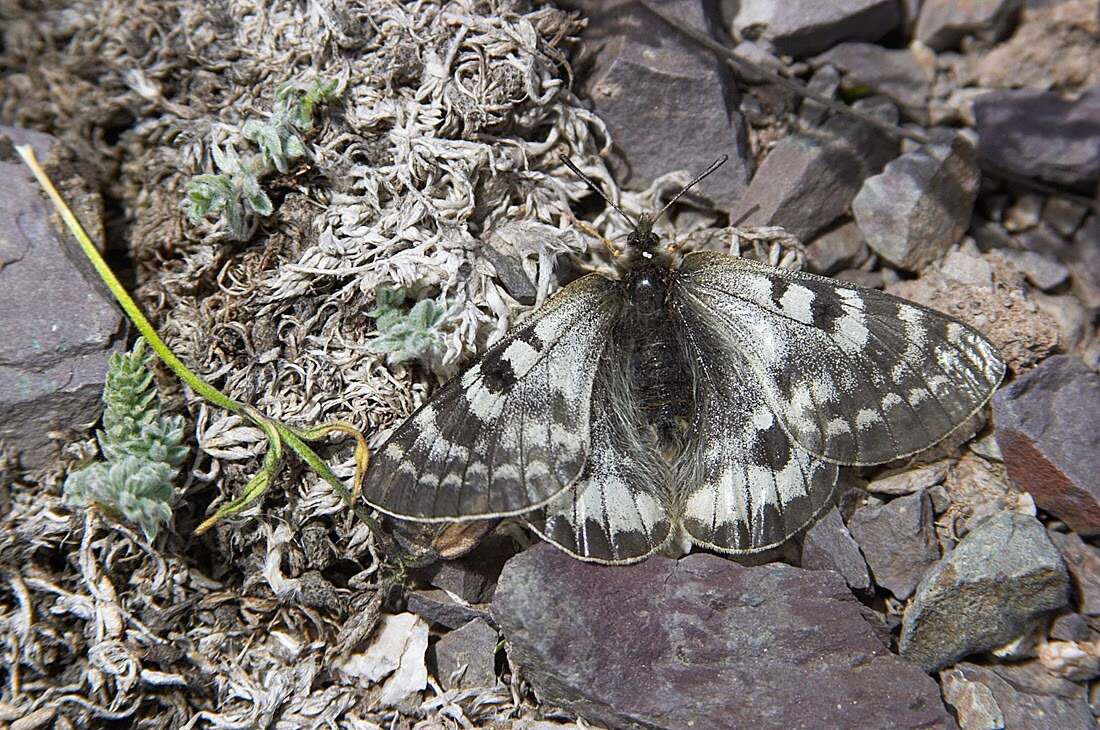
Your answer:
<point x="642" y="240"/>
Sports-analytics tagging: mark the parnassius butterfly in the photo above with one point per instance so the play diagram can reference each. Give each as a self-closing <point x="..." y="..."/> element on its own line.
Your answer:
<point x="708" y="402"/>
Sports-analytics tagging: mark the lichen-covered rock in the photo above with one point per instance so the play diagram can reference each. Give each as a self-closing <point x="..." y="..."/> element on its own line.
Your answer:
<point x="920" y="205"/>
<point x="986" y="591"/>
<point x="1046" y="428"/>
<point x="59" y="324"/>
<point x="704" y="642"/>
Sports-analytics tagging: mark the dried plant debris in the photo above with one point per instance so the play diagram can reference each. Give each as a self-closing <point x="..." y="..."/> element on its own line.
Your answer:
<point x="442" y="122"/>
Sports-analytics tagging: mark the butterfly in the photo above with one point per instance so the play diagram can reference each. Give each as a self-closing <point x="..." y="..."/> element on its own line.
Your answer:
<point x="708" y="402"/>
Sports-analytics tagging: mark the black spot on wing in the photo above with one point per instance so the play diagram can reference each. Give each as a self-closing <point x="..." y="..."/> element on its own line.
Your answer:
<point x="773" y="447"/>
<point x="497" y="374"/>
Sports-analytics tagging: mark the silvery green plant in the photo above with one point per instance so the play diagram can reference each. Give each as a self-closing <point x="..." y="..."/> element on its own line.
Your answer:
<point x="142" y="449"/>
<point x="234" y="193"/>
<point x="405" y="335"/>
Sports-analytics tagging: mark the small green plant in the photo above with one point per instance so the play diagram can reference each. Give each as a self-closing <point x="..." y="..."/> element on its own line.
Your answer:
<point x="142" y="449"/>
<point x="234" y="193"/>
<point x="405" y="335"/>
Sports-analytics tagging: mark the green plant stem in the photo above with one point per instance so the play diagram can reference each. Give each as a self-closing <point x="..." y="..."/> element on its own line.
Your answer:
<point x="276" y="433"/>
<point x="129" y="306"/>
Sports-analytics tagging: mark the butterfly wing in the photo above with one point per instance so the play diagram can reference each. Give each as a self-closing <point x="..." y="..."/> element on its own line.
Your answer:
<point x="745" y="486"/>
<point x="511" y="432"/>
<point x="855" y="376"/>
<point x="618" y="511"/>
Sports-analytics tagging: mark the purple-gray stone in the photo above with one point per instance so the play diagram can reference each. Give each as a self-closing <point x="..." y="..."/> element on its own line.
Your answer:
<point x="943" y="23"/>
<point x="898" y="541"/>
<point x="894" y="73"/>
<point x="465" y="658"/>
<point x="1083" y="562"/>
<point x="1025" y="697"/>
<point x="1045" y="424"/>
<point x="59" y="323"/>
<point x="920" y="205"/>
<point x="704" y="642"/>
<point x="802" y="28"/>
<point x="829" y="546"/>
<point x="643" y="65"/>
<point x="1041" y="134"/>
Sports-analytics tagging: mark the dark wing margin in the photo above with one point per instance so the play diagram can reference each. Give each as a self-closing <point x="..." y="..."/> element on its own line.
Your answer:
<point x="617" y="513"/>
<point x="855" y="376"/>
<point x="511" y="432"/>
<point x="745" y="486"/>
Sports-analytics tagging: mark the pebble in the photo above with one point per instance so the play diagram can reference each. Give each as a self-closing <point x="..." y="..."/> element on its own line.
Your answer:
<point x="897" y="74"/>
<point x="840" y="248"/>
<point x="465" y="658"/>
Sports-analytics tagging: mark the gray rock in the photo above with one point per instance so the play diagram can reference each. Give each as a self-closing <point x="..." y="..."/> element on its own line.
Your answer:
<point x="802" y="28"/>
<point x="473" y="577"/>
<point x="1042" y="270"/>
<point x="896" y="74"/>
<point x="465" y="657"/>
<point x="898" y="541"/>
<point x="59" y="324"/>
<point x="436" y="606"/>
<point x="704" y="642"/>
<point x="829" y="546"/>
<point x="1045" y="424"/>
<point x="1064" y="216"/>
<point x="1084" y="263"/>
<point x="943" y="23"/>
<point x="920" y="205"/>
<point x="988" y="590"/>
<point x="808" y="180"/>
<point x="908" y="481"/>
<point x="1039" y="134"/>
<point x="642" y="65"/>
<point x="986" y="691"/>
<point x="1083" y="561"/>
<point x="973" y="702"/>
<point x="825" y="81"/>
<point x="1069" y="626"/>
<point x="840" y="248"/>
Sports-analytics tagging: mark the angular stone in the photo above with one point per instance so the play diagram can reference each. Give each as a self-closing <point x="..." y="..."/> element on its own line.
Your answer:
<point x="974" y="704"/>
<point x="943" y="23"/>
<point x="436" y="606"/>
<point x="59" y="324"/>
<point x="704" y="642"/>
<point x="802" y="28"/>
<point x="988" y="590"/>
<point x="840" y="248"/>
<point x="1083" y="561"/>
<point x="808" y="180"/>
<point x="465" y="657"/>
<point x="920" y="205"/>
<point x="1040" y="134"/>
<point x="1084" y="263"/>
<point x="1020" y="705"/>
<point x="1044" y="271"/>
<point x="896" y="74"/>
<point x="473" y="577"/>
<point x="1069" y="626"/>
<point x="1064" y="216"/>
<point x="642" y="64"/>
<point x="909" y="481"/>
<point x="829" y="546"/>
<point x="1046" y="427"/>
<point x="898" y="541"/>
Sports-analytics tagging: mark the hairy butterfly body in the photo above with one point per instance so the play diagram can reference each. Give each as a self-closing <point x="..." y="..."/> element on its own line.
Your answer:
<point x="708" y="402"/>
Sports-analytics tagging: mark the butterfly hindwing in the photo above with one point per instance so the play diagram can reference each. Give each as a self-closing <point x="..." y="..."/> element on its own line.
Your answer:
<point x="511" y="432"/>
<point x="745" y="486"/>
<point x="855" y="376"/>
<point x="618" y="510"/>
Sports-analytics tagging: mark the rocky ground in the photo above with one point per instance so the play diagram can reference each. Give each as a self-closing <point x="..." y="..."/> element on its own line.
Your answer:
<point x="961" y="588"/>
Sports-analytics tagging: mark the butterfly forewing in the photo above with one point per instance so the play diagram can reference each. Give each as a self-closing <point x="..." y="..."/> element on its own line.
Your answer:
<point x="618" y="511"/>
<point x="855" y="376"/>
<point x="512" y="431"/>
<point x="745" y="486"/>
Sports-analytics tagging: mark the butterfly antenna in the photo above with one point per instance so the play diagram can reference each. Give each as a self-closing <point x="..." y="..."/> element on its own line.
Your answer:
<point x="714" y="166"/>
<point x="595" y="188"/>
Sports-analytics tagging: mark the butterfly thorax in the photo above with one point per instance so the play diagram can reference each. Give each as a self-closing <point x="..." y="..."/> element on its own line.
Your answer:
<point x="660" y="373"/>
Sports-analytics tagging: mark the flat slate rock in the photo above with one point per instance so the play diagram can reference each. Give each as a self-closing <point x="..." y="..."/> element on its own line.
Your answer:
<point x="829" y="546"/>
<point x="1045" y="424"/>
<point x="898" y="541"/>
<point x="997" y="581"/>
<point x="802" y="28"/>
<point x="704" y="642"/>
<point x="58" y="322"/>
<point x="943" y="23"/>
